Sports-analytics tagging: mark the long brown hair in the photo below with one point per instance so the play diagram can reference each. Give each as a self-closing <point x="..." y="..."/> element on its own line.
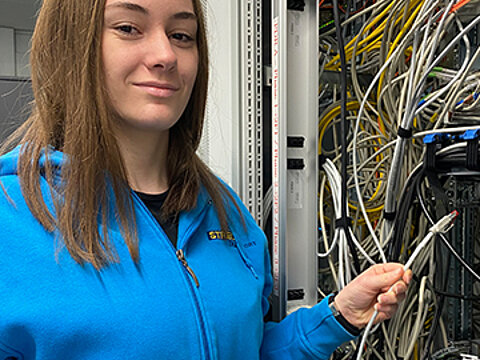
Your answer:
<point x="70" y="113"/>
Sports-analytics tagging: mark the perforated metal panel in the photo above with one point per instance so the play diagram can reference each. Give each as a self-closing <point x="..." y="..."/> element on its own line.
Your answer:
<point x="251" y="107"/>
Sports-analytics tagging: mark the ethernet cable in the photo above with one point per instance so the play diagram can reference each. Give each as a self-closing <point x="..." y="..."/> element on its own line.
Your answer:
<point x="362" y="107"/>
<point x="339" y="237"/>
<point x="463" y="70"/>
<point x="357" y="185"/>
<point x="442" y="226"/>
<point x="406" y="124"/>
<point x="444" y="52"/>
<point x="378" y="119"/>
<point x="407" y="120"/>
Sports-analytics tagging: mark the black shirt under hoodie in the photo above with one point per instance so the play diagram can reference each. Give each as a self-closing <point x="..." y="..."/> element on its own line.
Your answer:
<point x="154" y="203"/>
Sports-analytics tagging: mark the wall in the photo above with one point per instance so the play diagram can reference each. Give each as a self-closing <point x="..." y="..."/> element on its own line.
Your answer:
<point x="220" y="146"/>
<point x="15" y="97"/>
<point x="17" y="19"/>
<point x="19" y="14"/>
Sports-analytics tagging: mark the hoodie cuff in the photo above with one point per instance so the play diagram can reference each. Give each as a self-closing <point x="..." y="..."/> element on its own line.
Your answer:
<point x="322" y="333"/>
<point x="340" y="318"/>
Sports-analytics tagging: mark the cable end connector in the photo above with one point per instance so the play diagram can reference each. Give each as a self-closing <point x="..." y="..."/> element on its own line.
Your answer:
<point x="445" y="223"/>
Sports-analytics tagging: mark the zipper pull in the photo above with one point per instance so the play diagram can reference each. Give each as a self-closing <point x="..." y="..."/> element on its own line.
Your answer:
<point x="181" y="257"/>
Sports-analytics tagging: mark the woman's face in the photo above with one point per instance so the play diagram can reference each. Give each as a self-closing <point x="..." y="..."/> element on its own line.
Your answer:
<point x="150" y="60"/>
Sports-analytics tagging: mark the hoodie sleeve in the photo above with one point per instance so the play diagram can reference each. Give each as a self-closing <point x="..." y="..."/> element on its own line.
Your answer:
<point x="308" y="333"/>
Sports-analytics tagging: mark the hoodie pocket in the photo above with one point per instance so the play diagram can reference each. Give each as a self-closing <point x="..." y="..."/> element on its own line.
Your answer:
<point x="16" y="343"/>
<point x="7" y="353"/>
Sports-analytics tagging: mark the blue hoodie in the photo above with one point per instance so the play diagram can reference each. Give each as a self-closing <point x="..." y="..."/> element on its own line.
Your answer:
<point x="53" y="308"/>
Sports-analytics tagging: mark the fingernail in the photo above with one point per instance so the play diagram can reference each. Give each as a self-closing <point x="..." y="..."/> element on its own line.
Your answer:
<point x="379" y="299"/>
<point x="410" y="276"/>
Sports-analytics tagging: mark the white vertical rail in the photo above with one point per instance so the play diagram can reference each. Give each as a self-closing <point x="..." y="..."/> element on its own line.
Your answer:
<point x="251" y="124"/>
<point x="279" y="156"/>
<point x="302" y="120"/>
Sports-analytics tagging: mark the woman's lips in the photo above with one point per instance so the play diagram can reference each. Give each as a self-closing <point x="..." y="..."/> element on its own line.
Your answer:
<point x="158" y="90"/>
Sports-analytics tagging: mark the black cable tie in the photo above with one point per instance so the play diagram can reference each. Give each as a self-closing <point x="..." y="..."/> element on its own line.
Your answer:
<point x="322" y="159"/>
<point x="431" y="157"/>
<point x="343" y="223"/>
<point x="404" y="133"/>
<point x="432" y="143"/>
<point x="471" y="137"/>
<point x="472" y="155"/>
<point x="389" y="215"/>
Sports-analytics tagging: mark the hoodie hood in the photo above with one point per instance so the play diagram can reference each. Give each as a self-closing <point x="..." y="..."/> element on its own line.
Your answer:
<point x="9" y="161"/>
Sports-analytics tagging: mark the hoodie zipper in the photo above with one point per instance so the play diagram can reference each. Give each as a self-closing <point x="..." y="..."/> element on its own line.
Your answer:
<point x="191" y="276"/>
<point x="180" y="255"/>
<point x="181" y="258"/>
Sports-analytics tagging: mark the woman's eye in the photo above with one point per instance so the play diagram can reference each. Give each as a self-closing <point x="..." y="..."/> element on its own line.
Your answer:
<point x="127" y="29"/>
<point x="182" y="37"/>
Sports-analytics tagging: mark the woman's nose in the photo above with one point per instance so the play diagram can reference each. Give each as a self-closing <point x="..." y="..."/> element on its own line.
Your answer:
<point x="161" y="53"/>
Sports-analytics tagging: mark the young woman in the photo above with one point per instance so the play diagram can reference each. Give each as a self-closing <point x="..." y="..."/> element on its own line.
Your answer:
<point x="117" y="241"/>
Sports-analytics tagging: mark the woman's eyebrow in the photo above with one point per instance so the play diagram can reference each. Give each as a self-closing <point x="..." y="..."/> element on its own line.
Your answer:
<point x="129" y="6"/>
<point x="185" y="15"/>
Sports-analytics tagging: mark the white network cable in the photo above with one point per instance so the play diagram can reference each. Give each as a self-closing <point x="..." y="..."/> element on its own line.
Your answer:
<point x="442" y="226"/>
<point x="340" y="236"/>
<point x="398" y="79"/>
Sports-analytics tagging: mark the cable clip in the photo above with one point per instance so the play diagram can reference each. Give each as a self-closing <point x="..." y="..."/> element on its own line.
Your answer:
<point x="471" y="137"/>
<point x="343" y="223"/>
<point x="389" y="216"/>
<point x="431" y="141"/>
<point x="322" y="159"/>
<point x="404" y="133"/>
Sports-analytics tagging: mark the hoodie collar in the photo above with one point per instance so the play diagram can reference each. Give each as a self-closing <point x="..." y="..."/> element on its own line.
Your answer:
<point x="189" y="220"/>
<point x="9" y="161"/>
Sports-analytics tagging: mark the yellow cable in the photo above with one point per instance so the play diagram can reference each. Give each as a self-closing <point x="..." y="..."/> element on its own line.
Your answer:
<point x="333" y="64"/>
<point x="405" y="28"/>
<point x="332" y="114"/>
<point x="323" y="125"/>
<point x="351" y="42"/>
<point x="374" y="210"/>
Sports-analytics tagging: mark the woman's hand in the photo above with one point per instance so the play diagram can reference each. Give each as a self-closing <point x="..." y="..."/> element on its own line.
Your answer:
<point x="370" y="291"/>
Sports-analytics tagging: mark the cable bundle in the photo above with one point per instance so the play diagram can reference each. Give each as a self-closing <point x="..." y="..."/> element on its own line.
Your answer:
<point x="403" y="113"/>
